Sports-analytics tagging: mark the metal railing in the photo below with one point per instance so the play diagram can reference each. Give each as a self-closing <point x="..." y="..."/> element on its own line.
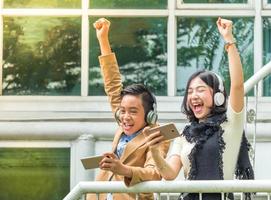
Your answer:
<point x="259" y="75"/>
<point x="211" y="186"/>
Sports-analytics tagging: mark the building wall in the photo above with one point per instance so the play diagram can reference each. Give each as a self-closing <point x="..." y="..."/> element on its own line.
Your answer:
<point x="52" y="90"/>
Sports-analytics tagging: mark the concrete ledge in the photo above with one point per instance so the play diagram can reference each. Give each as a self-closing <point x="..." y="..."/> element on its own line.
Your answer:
<point x="70" y="130"/>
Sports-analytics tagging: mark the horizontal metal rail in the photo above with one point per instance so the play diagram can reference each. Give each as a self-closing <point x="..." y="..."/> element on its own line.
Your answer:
<point x="170" y="187"/>
<point x="259" y="75"/>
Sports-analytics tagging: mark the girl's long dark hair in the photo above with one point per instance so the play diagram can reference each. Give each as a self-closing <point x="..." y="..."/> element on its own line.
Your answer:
<point x="212" y="81"/>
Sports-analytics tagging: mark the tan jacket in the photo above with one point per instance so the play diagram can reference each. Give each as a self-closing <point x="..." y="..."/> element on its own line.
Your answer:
<point x="136" y="154"/>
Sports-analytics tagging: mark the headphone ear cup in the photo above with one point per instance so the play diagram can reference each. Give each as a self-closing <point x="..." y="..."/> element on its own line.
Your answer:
<point x="117" y="116"/>
<point x="219" y="99"/>
<point x="152" y="117"/>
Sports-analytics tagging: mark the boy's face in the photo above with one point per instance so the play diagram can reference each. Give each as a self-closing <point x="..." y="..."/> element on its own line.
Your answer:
<point x="132" y="114"/>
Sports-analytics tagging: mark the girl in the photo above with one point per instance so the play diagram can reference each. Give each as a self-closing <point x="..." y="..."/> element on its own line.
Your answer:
<point x="208" y="147"/>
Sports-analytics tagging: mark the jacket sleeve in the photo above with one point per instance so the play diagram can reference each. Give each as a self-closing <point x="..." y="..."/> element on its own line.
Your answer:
<point x="149" y="171"/>
<point x="112" y="79"/>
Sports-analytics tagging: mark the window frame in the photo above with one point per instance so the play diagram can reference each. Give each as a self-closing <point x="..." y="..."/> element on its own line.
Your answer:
<point x="222" y="6"/>
<point x="172" y="12"/>
<point x="266" y="5"/>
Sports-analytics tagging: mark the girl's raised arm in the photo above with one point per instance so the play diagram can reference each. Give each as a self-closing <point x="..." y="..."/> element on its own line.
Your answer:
<point x="236" y="97"/>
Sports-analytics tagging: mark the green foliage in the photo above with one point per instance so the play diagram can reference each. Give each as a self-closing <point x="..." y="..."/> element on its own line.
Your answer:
<point x="201" y="47"/>
<point x="50" y="66"/>
<point x="151" y="4"/>
<point x="30" y="174"/>
<point x="140" y="46"/>
<point x="42" y="4"/>
<point x="267" y="53"/>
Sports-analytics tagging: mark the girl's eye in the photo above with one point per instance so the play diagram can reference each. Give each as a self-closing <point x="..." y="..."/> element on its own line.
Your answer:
<point x="201" y="89"/>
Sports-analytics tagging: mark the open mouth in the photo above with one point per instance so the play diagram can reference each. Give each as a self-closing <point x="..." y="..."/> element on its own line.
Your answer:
<point x="197" y="107"/>
<point x="126" y="126"/>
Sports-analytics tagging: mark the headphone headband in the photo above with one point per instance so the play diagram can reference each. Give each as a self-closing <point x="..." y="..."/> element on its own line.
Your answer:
<point x="220" y="81"/>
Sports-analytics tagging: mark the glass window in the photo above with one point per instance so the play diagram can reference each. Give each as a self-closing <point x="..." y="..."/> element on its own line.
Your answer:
<point x="41" y="56"/>
<point x="42" y="4"/>
<point x="31" y="174"/>
<point x="215" y="1"/>
<point x="146" y="4"/>
<point x="267" y="53"/>
<point x="199" y="46"/>
<point x="140" y="45"/>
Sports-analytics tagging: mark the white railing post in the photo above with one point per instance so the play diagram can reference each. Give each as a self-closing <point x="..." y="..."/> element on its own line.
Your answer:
<point x="82" y="147"/>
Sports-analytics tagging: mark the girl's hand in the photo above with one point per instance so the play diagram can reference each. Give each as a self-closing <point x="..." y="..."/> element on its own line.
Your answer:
<point x="225" y="29"/>
<point x="154" y="139"/>
<point x="102" y="28"/>
<point x="111" y="162"/>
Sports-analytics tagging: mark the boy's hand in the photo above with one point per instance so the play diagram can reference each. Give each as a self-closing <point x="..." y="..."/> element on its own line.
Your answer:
<point x="111" y="162"/>
<point x="102" y="28"/>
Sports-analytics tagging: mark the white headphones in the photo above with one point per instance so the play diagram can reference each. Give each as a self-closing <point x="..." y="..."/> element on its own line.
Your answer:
<point x="151" y="117"/>
<point x="219" y="97"/>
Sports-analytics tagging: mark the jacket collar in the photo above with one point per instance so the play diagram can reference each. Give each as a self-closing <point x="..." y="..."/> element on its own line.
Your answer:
<point x="138" y="141"/>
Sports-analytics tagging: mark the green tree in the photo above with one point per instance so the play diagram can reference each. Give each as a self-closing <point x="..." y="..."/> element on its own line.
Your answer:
<point x="199" y="45"/>
<point x="140" y="46"/>
<point x="151" y="4"/>
<point x="51" y="67"/>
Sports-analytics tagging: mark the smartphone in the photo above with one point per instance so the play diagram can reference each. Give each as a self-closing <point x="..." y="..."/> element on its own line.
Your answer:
<point x="91" y="162"/>
<point x="169" y="131"/>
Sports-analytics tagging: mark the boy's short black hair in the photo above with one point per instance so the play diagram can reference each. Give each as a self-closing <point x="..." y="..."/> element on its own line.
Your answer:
<point x="148" y="99"/>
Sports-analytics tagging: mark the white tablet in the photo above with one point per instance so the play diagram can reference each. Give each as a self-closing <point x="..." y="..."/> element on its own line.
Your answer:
<point x="91" y="162"/>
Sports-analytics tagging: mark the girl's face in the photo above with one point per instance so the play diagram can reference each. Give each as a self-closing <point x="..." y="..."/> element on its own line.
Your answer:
<point x="132" y="115"/>
<point x="200" y="98"/>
